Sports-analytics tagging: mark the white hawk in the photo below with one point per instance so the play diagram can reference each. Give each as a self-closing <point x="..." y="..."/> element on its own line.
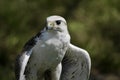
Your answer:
<point x="49" y="55"/>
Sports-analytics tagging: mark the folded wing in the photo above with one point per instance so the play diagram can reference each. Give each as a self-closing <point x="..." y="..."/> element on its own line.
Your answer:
<point x="76" y="64"/>
<point x="23" y="58"/>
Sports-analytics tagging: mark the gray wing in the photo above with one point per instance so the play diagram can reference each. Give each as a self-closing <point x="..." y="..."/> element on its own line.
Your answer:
<point x="76" y="64"/>
<point x="23" y="58"/>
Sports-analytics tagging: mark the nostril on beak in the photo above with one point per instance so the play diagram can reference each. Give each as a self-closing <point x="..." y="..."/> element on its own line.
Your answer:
<point x="51" y="25"/>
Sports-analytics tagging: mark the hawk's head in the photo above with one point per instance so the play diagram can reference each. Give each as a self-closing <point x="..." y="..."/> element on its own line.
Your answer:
<point x="56" y="23"/>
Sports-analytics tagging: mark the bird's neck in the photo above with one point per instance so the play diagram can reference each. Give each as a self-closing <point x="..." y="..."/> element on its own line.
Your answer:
<point x="49" y="34"/>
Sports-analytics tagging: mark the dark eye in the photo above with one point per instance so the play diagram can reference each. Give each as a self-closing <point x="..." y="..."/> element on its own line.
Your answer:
<point x="58" y="22"/>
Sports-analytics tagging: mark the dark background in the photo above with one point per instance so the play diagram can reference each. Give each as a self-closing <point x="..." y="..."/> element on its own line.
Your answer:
<point x="93" y="24"/>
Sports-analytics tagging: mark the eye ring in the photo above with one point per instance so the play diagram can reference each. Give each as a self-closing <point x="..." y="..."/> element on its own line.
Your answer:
<point x="58" y="22"/>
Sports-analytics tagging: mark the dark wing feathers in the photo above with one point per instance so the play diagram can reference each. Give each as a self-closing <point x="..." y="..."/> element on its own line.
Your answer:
<point x="17" y="67"/>
<point x="31" y="42"/>
<point x="27" y="50"/>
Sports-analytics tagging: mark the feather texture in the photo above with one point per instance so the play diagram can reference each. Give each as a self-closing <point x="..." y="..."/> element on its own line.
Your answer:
<point x="76" y="64"/>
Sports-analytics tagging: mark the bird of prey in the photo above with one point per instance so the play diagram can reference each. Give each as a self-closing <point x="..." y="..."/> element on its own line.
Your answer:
<point x="49" y="55"/>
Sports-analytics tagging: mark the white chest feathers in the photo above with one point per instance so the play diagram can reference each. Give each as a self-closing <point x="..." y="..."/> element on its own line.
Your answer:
<point x="48" y="54"/>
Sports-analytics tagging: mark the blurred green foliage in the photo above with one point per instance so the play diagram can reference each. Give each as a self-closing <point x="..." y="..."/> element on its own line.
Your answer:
<point x="93" y="24"/>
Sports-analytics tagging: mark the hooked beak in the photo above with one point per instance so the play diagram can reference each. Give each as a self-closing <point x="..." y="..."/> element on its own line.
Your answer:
<point x="50" y="26"/>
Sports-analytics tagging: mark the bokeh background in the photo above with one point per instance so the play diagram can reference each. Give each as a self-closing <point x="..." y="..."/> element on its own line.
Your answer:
<point x="93" y="24"/>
